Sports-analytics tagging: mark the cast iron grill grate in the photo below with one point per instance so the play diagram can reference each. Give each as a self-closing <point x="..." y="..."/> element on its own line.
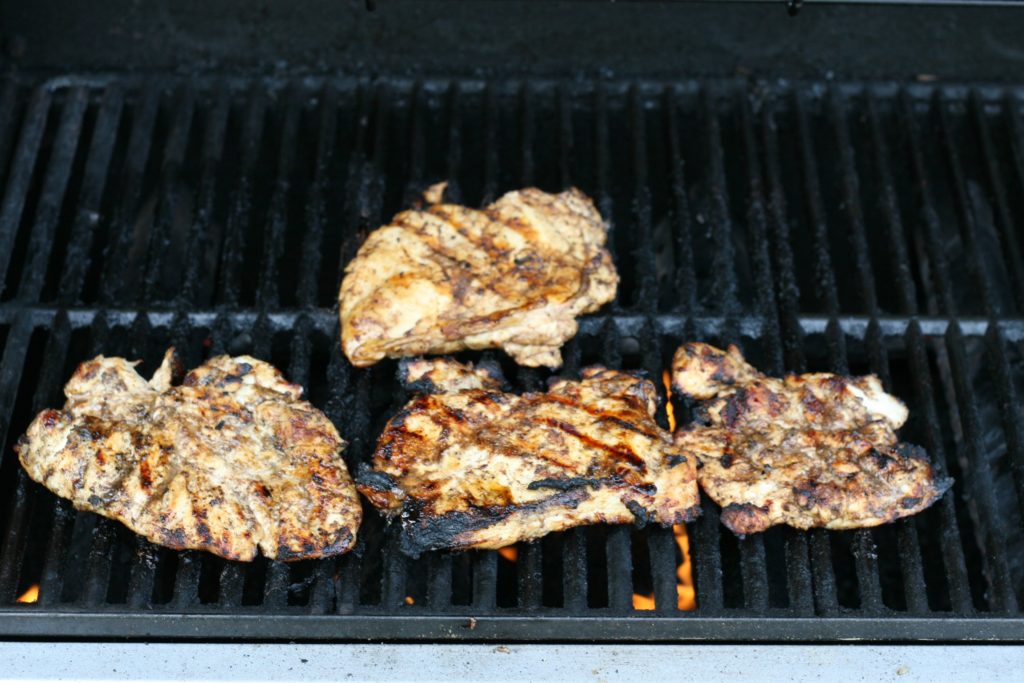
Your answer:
<point x="849" y="227"/>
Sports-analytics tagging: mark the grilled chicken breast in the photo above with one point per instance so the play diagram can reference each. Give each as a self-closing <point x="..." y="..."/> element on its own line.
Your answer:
<point x="230" y="461"/>
<point x="469" y="466"/>
<point x="814" y="450"/>
<point x="445" y="277"/>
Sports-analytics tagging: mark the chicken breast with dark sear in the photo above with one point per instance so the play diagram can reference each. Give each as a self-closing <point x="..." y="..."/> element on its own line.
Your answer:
<point x="813" y="450"/>
<point x="445" y="277"/>
<point x="470" y="466"/>
<point x="230" y="461"/>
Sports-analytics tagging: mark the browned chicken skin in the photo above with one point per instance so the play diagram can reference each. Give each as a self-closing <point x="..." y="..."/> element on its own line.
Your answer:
<point x="813" y="450"/>
<point x="472" y="467"/>
<point x="230" y="461"/>
<point x="445" y="277"/>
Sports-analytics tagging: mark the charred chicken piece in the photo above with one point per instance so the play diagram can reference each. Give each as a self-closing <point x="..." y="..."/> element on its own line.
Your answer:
<point x="813" y="450"/>
<point x="469" y="466"/>
<point x="230" y="461"/>
<point x="445" y="277"/>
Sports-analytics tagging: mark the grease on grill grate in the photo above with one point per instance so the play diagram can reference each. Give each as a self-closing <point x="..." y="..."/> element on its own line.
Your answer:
<point x="839" y="229"/>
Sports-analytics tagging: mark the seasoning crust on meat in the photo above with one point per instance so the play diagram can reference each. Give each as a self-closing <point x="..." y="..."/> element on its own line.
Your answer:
<point x="445" y="278"/>
<point x="474" y="467"/>
<point x="813" y="450"/>
<point x="230" y="461"/>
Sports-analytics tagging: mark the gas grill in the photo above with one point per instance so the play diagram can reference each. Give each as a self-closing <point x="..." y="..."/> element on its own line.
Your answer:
<point x="838" y="224"/>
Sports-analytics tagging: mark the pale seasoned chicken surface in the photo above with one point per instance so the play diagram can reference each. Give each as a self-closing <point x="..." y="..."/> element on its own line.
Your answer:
<point x="813" y="450"/>
<point x="229" y="461"/>
<point x="445" y="277"/>
<point x="470" y="466"/>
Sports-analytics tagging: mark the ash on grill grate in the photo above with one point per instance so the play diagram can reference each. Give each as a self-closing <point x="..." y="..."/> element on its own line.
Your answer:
<point x="852" y="229"/>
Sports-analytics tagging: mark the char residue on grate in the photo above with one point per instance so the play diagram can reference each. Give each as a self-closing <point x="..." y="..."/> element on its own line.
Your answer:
<point x="849" y="228"/>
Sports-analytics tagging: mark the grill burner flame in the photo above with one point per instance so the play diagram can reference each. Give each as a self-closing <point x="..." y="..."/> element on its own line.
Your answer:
<point x="643" y="602"/>
<point x="509" y="553"/>
<point x="686" y="594"/>
<point x="669" y="408"/>
<point x="30" y="595"/>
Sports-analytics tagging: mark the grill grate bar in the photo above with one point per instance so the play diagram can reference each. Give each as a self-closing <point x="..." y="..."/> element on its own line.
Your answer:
<point x="325" y="321"/>
<point x="268" y="293"/>
<point x="850" y="199"/>
<point x="1011" y="250"/>
<point x="454" y="160"/>
<point x="951" y="544"/>
<point x="864" y="549"/>
<point x="978" y="475"/>
<point x="491" y="123"/>
<point x="339" y="381"/>
<point x="439" y="582"/>
<point x="94" y="531"/>
<point x="643" y="257"/>
<point x="965" y="212"/>
<point x="203" y="247"/>
<point x="130" y="184"/>
<point x="932" y="255"/>
<point x="865" y="552"/>
<point x="726" y="299"/>
<point x="904" y="276"/>
<point x="684" y="275"/>
<point x="11" y="366"/>
<point x="825" y="591"/>
<point x="189" y="563"/>
<point x="758" y="246"/>
<point x="661" y="546"/>
<point x="87" y="215"/>
<point x="9" y="107"/>
<point x="618" y="547"/>
<point x="602" y="173"/>
<point x="575" y="578"/>
<point x="54" y="188"/>
<point x="1008" y="407"/>
<point x="186" y="579"/>
<point x="417" y="151"/>
<point x="824" y="272"/>
<point x="485" y="579"/>
<point x="799" y="583"/>
<point x="1016" y="143"/>
<point x="565" y="137"/>
<point x="17" y="186"/>
<point x="239" y="219"/>
<point x="940" y="297"/>
<point x="57" y="567"/>
<point x="316" y="210"/>
<point x="47" y="393"/>
<point x="911" y="569"/>
<point x="145" y="556"/>
<point x="526" y="134"/>
<point x="15" y="535"/>
<point x="148" y="255"/>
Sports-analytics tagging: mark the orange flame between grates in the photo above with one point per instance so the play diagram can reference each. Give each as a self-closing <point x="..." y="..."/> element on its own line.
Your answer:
<point x="643" y="602"/>
<point x="686" y="595"/>
<point x="669" y="408"/>
<point x="30" y="595"/>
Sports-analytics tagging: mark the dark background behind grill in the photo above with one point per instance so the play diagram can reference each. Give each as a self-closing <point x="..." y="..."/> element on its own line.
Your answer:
<point x="823" y="225"/>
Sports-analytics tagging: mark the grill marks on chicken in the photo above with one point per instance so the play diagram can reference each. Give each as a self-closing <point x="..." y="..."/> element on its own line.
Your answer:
<point x="813" y="450"/>
<point x="472" y="467"/>
<point x="445" y="277"/>
<point x="230" y="461"/>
